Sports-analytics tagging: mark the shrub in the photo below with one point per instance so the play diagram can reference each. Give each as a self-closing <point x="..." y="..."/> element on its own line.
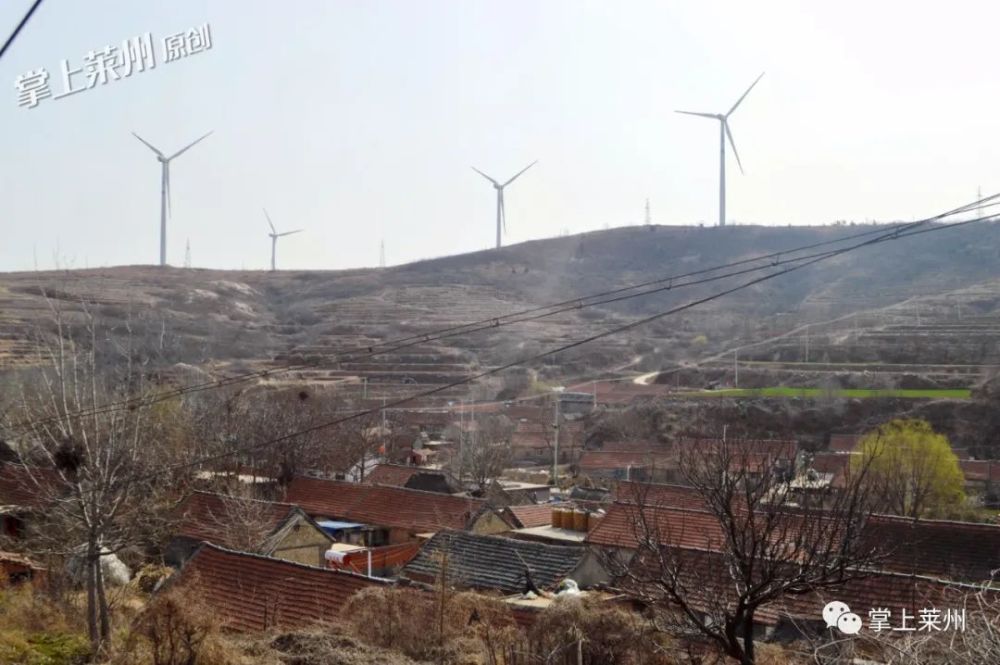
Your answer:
<point x="610" y="635"/>
<point x="176" y="629"/>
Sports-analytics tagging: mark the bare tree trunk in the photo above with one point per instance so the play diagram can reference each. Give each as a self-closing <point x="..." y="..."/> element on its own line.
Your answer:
<point x="102" y="601"/>
<point x="748" y="643"/>
<point x="92" y="632"/>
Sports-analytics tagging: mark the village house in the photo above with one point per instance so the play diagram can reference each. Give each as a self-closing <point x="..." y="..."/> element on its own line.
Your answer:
<point x="925" y="563"/>
<point x="392" y="515"/>
<point x="414" y="478"/>
<point x="23" y="493"/>
<point x="279" y="530"/>
<point x="496" y="563"/>
<point x="255" y="593"/>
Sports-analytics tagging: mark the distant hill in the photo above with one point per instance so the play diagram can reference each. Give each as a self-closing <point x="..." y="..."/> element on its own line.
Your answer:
<point x="240" y="318"/>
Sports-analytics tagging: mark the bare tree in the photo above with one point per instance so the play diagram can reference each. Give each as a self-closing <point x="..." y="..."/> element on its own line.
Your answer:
<point x="484" y="456"/>
<point x="97" y="470"/>
<point x="242" y="522"/>
<point x="711" y="571"/>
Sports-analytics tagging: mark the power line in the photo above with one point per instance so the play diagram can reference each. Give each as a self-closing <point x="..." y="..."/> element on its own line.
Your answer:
<point x="887" y="237"/>
<point x="24" y="22"/>
<point x="532" y="314"/>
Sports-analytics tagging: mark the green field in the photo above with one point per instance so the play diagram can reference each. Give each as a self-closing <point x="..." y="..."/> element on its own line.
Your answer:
<point x="813" y="393"/>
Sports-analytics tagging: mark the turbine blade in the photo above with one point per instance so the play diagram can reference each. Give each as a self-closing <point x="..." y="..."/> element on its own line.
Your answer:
<point x="190" y="145"/>
<point x="518" y="174"/>
<point x="732" y="144"/>
<point x="269" y="223"/>
<point x="495" y="183"/>
<point x="147" y="144"/>
<point x="713" y="116"/>
<point x="288" y="233"/>
<point x="503" y="212"/>
<point x="745" y="94"/>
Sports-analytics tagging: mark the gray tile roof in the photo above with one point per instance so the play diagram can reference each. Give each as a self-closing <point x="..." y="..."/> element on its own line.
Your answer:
<point x="492" y="562"/>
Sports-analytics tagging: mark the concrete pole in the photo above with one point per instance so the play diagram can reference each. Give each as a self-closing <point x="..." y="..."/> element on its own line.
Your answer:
<point x="555" y="453"/>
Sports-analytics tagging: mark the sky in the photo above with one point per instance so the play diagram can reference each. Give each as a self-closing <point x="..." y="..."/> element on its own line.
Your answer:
<point x="359" y="121"/>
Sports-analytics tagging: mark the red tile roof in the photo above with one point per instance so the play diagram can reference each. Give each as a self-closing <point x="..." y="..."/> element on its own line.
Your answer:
<point x="707" y="583"/>
<point x="599" y="460"/>
<point x="392" y="474"/>
<point x="658" y="494"/>
<point x="624" y="524"/>
<point x="533" y="515"/>
<point x="203" y="516"/>
<point x="774" y="448"/>
<point x="253" y="593"/>
<point x="980" y="470"/>
<point x="632" y="445"/>
<point x="963" y="551"/>
<point x="394" y="507"/>
<point x="19" y="485"/>
<point x="844" y="443"/>
<point x="960" y="551"/>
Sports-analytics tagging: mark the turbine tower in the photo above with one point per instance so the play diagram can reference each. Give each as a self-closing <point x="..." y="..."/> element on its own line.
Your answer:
<point x="274" y="238"/>
<point x="501" y="215"/>
<point x="723" y="134"/>
<point x="165" y="188"/>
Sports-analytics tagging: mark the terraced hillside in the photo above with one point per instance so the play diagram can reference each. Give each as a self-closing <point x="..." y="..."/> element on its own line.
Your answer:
<point x="223" y="320"/>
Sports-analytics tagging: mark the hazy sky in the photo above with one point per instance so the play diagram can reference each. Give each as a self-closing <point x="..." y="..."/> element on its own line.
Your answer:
<point x="358" y="121"/>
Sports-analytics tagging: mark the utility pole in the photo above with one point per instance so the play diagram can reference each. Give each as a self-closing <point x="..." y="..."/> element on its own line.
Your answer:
<point x="381" y="255"/>
<point x="187" y="254"/>
<point x="649" y="218"/>
<point x="736" y="368"/>
<point x="555" y="450"/>
<point x="461" y="439"/>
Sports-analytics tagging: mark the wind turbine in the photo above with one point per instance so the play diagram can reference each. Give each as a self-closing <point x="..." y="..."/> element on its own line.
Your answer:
<point x="165" y="188"/>
<point x="723" y="134"/>
<point x="274" y="238"/>
<point x="501" y="215"/>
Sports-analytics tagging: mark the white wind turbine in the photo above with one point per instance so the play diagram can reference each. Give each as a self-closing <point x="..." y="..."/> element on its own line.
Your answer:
<point x="165" y="188"/>
<point x="723" y="134"/>
<point x="274" y="238"/>
<point x="501" y="215"/>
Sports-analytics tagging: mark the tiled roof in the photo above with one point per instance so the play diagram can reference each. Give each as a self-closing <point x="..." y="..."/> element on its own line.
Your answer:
<point x="774" y="448"/>
<point x="253" y="593"/>
<point x="19" y="485"/>
<point x="395" y="507"/>
<point x="962" y="551"/>
<point x="632" y="446"/>
<point x="533" y="515"/>
<point x="624" y="524"/>
<point x="391" y="474"/>
<point x="492" y="562"/>
<point x="204" y="516"/>
<point x="844" y="443"/>
<point x="599" y="460"/>
<point x="706" y="583"/>
<point x="412" y="477"/>
<point x="658" y="494"/>
<point x="980" y="470"/>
